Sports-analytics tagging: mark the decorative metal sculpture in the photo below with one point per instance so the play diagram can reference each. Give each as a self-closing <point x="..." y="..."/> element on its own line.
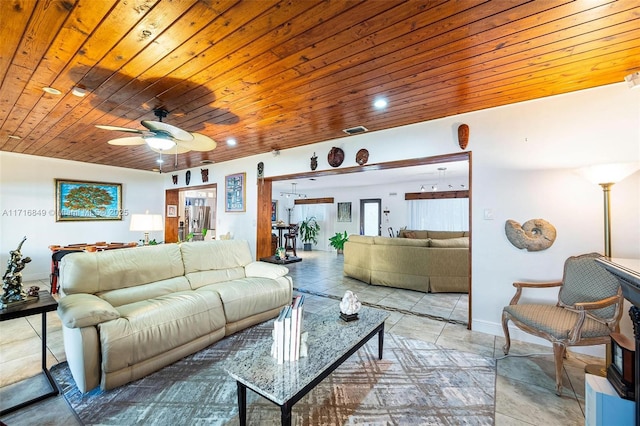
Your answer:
<point x="12" y="278"/>
<point x="533" y="235"/>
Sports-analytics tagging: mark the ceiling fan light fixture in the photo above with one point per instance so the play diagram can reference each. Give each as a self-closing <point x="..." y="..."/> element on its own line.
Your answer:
<point x="160" y="143"/>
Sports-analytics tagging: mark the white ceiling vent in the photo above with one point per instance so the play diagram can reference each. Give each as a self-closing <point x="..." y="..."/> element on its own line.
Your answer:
<point x="355" y="130"/>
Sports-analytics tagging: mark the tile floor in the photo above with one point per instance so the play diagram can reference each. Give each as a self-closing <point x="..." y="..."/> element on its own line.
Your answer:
<point x="524" y="385"/>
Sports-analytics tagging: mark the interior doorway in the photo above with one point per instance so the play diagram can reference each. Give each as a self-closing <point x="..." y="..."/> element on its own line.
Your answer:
<point x="195" y="216"/>
<point x="371" y="217"/>
<point x="265" y="197"/>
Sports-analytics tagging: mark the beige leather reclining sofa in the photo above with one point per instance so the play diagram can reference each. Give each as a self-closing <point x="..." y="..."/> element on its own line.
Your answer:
<point x="428" y="261"/>
<point x="129" y="312"/>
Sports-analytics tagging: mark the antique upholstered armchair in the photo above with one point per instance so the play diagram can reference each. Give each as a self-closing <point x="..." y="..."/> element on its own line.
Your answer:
<point x="589" y="308"/>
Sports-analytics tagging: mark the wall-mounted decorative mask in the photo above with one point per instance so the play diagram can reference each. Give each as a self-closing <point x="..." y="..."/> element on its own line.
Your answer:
<point x="335" y="157"/>
<point x="314" y="162"/>
<point x="187" y="177"/>
<point x="463" y="136"/>
<point x="205" y="175"/>
<point x="362" y="157"/>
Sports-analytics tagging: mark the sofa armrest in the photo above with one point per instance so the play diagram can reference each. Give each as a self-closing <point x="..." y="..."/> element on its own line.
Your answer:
<point x="265" y="270"/>
<point x="84" y="310"/>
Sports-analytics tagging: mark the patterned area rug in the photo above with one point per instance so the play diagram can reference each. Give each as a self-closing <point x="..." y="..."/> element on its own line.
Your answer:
<point x="416" y="383"/>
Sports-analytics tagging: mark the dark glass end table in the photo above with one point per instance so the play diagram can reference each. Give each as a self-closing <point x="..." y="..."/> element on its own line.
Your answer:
<point x="44" y="304"/>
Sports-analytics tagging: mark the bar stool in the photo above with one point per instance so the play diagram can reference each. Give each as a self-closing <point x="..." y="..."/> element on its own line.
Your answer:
<point x="290" y="239"/>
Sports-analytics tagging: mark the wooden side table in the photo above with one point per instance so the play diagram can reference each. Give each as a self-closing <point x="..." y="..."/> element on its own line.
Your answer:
<point x="44" y="304"/>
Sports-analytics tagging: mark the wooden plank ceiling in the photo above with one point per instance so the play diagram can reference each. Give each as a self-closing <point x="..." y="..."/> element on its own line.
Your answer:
<point x="280" y="74"/>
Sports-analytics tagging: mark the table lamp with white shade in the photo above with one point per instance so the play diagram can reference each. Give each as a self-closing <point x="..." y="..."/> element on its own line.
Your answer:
<point x="146" y="223"/>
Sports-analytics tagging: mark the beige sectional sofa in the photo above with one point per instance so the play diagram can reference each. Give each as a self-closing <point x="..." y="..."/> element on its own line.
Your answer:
<point x="428" y="261"/>
<point x="127" y="313"/>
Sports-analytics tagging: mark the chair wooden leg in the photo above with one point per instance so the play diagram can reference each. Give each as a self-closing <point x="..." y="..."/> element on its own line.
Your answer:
<point x="559" y="351"/>
<point x="505" y="330"/>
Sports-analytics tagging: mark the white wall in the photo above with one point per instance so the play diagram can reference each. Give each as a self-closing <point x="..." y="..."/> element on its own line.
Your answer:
<point x="27" y="184"/>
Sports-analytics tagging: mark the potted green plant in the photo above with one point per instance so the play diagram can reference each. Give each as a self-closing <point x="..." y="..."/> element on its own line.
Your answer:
<point x="309" y="230"/>
<point x="338" y="240"/>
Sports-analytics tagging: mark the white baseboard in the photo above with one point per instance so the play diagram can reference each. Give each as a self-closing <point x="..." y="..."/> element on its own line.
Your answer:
<point x="495" y="329"/>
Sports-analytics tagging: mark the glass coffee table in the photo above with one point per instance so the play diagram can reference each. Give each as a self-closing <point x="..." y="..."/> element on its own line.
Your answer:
<point x="331" y="341"/>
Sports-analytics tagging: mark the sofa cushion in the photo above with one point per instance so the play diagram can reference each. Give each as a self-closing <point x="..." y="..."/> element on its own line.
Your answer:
<point x="85" y="310"/>
<point x="245" y="297"/>
<point x="151" y="327"/>
<point x="124" y="296"/>
<point x="412" y="233"/>
<point x="265" y="270"/>
<point x="441" y="235"/>
<point x="460" y="242"/>
<point x="401" y="242"/>
<point x="362" y="239"/>
<point x="113" y="269"/>
<point x="215" y="255"/>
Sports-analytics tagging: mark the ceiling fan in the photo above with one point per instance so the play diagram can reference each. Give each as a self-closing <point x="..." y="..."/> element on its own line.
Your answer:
<point x="162" y="137"/>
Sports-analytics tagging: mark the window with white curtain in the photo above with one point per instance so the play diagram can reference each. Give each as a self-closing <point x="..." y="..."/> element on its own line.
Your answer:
<point x="448" y="214"/>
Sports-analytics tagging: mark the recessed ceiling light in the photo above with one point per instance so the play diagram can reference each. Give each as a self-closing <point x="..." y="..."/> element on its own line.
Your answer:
<point x="52" y="91"/>
<point x="231" y="142"/>
<point x="206" y="162"/>
<point x="15" y="137"/>
<point x="78" y="91"/>
<point x="380" y="103"/>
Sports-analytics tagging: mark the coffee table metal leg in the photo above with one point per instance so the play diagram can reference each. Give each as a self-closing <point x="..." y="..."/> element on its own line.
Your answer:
<point x="380" y="341"/>
<point x="285" y="414"/>
<point x="242" y="404"/>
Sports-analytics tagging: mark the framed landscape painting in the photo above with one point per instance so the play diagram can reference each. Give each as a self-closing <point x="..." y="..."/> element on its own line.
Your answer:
<point x="234" y="186"/>
<point x="85" y="200"/>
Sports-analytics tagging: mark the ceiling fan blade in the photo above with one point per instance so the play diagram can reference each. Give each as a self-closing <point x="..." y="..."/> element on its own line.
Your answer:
<point x="180" y="150"/>
<point x="175" y="132"/>
<point x="120" y="129"/>
<point x="133" y="140"/>
<point x="200" y="142"/>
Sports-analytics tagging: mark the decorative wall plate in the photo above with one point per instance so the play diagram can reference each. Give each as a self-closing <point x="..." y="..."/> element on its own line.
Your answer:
<point x="362" y="157"/>
<point x="335" y="157"/>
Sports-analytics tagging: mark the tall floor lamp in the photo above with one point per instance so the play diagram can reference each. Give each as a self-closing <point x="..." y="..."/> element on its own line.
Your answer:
<point x="606" y="175"/>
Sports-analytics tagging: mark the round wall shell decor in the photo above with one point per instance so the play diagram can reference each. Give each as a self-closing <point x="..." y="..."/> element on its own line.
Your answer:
<point x="533" y="235"/>
<point x="335" y="157"/>
<point x="362" y="157"/>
